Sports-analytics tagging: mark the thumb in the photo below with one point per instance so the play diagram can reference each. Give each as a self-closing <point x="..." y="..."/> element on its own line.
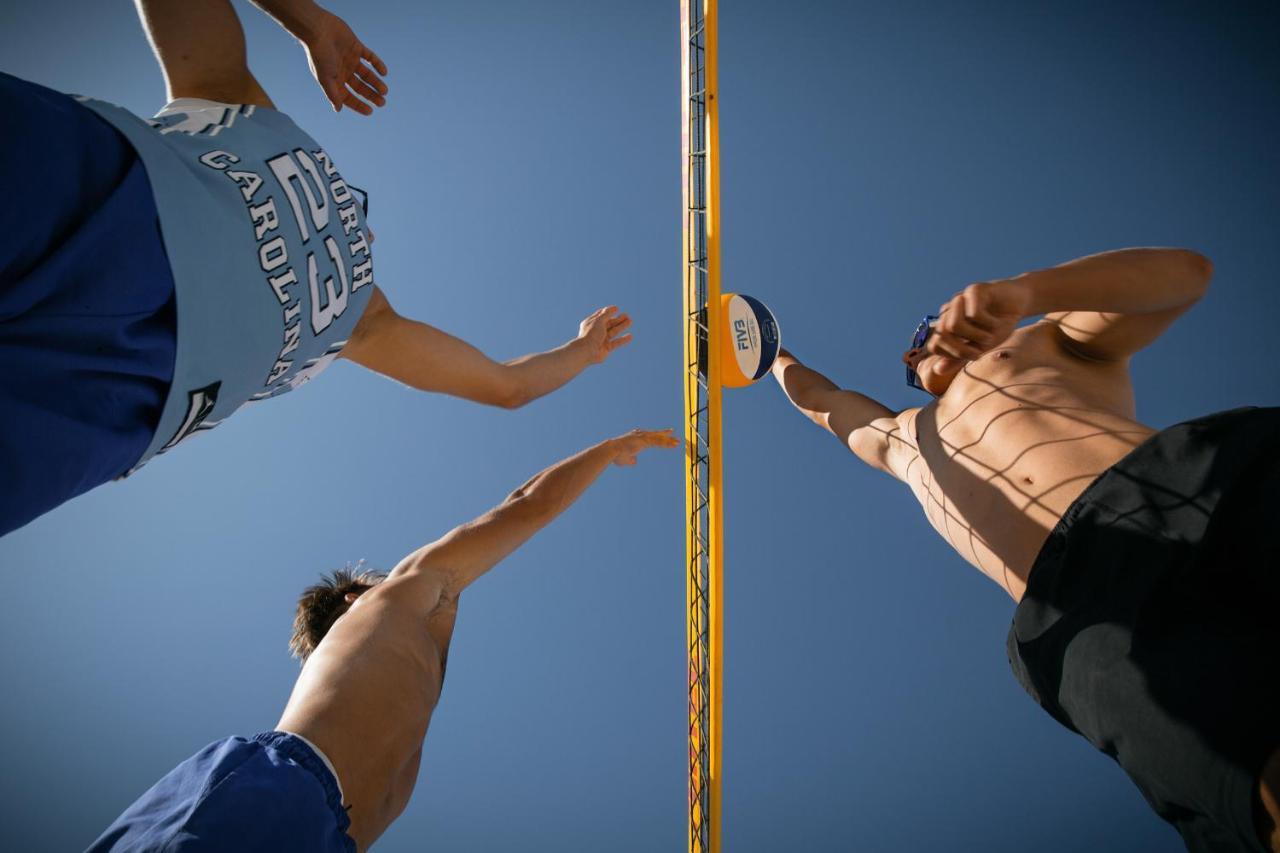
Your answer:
<point x="334" y="91"/>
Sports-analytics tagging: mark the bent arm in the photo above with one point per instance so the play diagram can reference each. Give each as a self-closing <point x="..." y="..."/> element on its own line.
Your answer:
<point x="864" y="426"/>
<point x="200" y="47"/>
<point x="426" y="358"/>
<point x="1105" y="307"/>
<point x="1109" y="306"/>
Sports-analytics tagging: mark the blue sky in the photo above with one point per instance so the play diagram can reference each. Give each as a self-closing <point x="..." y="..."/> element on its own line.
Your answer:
<point x="526" y="171"/>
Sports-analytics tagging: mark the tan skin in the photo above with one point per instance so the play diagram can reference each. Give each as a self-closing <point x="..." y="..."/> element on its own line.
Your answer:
<point x="384" y="659"/>
<point x="201" y="50"/>
<point x="1024" y="417"/>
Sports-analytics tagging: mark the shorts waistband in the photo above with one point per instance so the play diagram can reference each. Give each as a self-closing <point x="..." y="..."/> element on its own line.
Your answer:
<point x="310" y="757"/>
<point x="1170" y="484"/>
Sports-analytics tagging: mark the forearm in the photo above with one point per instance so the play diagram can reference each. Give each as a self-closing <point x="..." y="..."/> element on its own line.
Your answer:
<point x="1126" y="281"/>
<point x="554" y="489"/>
<point x="297" y="17"/>
<point x="468" y="552"/>
<point x="442" y="569"/>
<point x="534" y="376"/>
<point x="430" y="359"/>
<point x="802" y="384"/>
<point x="821" y="400"/>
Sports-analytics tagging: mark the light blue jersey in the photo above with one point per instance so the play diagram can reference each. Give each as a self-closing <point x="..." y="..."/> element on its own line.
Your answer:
<point x="271" y="263"/>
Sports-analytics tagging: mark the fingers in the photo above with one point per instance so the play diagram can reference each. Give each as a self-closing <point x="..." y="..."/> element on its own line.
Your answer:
<point x="350" y="100"/>
<point x="361" y="89"/>
<point x="613" y="333"/>
<point x="965" y="327"/>
<point x="372" y="58"/>
<point x="945" y="343"/>
<point x="361" y="70"/>
<point x="657" y="438"/>
<point x="369" y="78"/>
<point x="335" y="92"/>
<point x="629" y="446"/>
<point x="605" y="316"/>
<point x="668" y="439"/>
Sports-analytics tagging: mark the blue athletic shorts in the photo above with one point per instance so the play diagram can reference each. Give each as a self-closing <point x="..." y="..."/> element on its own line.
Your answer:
<point x="271" y="794"/>
<point x="87" y="311"/>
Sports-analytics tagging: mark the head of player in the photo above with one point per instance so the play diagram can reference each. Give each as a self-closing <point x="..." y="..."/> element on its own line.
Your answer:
<point x="324" y="603"/>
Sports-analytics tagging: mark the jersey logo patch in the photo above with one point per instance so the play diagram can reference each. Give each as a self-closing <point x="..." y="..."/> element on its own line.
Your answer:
<point x="200" y="404"/>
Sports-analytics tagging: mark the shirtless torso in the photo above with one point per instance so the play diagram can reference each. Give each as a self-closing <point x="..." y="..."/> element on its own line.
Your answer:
<point x="1019" y="434"/>
<point x="367" y="694"/>
<point x="1024" y="418"/>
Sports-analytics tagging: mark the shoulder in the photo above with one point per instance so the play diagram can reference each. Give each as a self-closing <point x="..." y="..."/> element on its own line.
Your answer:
<point x="414" y="588"/>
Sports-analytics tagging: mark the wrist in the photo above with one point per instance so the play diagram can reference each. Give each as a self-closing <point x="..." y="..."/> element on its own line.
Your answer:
<point x="579" y="350"/>
<point x="1025" y="292"/>
<point x="610" y="448"/>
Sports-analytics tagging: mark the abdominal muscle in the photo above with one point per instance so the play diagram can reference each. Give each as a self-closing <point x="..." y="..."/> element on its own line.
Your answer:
<point x="1004" y="453"/>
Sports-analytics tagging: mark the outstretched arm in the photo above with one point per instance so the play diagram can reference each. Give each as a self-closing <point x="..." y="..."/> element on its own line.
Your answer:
<point x="864" y="426"/>
<point x="428" y="359"/>
<point x="200" y="47"/>
<point x="366" y="694"/>
<point x="1105" y="306"/>
<point x="455" y="560"/>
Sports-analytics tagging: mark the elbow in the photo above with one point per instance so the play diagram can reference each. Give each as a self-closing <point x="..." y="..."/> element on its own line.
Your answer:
<point x="869" y="445"/>
<point x="1200" y="273"/>
<point x="532" y="506"/>
<point x="507" y="392"/>
<point x="510" y="398"/>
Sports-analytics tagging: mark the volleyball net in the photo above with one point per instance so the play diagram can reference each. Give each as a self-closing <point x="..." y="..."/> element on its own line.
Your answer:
<point x="701" y="381"/>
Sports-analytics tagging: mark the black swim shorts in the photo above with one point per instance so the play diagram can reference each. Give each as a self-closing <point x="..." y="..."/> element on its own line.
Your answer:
<point x="1150" y="622"/>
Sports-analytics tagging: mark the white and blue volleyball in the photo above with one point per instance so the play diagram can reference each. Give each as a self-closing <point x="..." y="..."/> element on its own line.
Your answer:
<point x="751" y="340"/>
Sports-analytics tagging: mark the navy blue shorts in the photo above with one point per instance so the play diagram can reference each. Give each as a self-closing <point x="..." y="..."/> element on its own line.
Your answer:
<point x="87" y="311"/>
<point x="270" y="794"/>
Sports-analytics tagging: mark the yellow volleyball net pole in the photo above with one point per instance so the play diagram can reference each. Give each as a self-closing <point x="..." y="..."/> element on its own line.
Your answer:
<point x="704" y="511"/>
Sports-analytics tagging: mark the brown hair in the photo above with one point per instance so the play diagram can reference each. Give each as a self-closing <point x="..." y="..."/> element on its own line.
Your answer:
<point x="321" y="604"/>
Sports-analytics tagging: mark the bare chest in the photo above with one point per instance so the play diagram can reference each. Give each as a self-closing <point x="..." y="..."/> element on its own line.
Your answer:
<point x="1014" y="441"/>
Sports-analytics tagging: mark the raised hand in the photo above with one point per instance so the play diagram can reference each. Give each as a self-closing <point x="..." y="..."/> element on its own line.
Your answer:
<point x="978" y="318"/>
<point x="349" y="73"/>
<point x="627" y="447"/>
<point x="601" y="333"/>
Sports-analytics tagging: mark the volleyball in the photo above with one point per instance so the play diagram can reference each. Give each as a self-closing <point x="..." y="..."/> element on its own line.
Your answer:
<point x="751" y="340"/>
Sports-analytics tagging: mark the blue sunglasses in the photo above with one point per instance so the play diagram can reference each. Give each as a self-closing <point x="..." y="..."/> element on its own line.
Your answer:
<point x="917" y="340"/>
